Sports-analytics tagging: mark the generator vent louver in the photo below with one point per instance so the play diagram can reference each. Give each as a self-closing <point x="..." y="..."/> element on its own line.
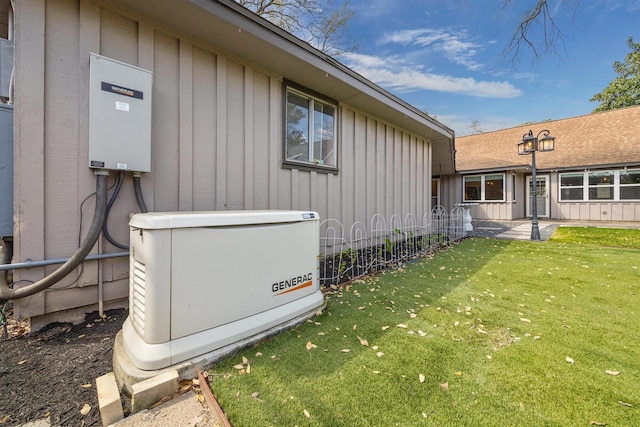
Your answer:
<point x="137" y="296"/>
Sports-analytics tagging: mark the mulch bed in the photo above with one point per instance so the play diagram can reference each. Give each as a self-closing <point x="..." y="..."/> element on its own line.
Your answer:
<point x="51" y="373"/>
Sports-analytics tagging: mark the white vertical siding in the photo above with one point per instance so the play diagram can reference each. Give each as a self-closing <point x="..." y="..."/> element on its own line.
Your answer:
<point x="216" y="143"/>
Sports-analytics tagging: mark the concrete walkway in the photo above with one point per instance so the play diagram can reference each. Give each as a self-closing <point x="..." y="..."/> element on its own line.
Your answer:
<point x="521" y="229"/>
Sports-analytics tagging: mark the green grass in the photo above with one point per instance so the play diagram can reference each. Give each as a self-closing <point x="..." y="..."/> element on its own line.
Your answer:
<point x="490" y="327"/>
<point x="615" y="237"/>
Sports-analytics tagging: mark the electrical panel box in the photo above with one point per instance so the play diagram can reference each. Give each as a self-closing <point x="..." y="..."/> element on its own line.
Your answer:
<point x="119" y="115"/>
<point x="6" y="170"/>
<point x="201" y="281"/>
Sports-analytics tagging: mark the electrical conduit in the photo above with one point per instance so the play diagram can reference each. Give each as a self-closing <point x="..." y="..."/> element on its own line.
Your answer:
<point x="99" y="215"/>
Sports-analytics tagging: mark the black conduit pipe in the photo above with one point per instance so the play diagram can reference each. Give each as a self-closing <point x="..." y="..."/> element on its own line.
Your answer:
<point x="7" y="293"/>
<point x="139" y="198"/>
<point x="105" y="228"/>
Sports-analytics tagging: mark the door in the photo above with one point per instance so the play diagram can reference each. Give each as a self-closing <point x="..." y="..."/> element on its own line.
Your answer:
<point x="542" y="196"/>
<point x="435" y="192"/>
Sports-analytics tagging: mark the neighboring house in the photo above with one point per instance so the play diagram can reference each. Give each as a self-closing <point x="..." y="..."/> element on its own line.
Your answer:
<point x="593" y="173"/>
<point x="225" y="82"/>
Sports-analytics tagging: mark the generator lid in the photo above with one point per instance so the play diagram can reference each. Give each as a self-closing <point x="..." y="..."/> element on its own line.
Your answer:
<point x="164" y="220"/>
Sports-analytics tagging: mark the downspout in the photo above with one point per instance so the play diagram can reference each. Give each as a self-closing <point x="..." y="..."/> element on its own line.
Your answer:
<point x="7" y="293"/>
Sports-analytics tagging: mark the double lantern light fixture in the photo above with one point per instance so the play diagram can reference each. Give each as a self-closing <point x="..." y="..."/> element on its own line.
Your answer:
<point x="529" y="145"/>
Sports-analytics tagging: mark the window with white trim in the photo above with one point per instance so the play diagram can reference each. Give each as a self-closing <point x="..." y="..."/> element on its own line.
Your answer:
<point x="604" y="185"/>
<point x="310" y="126"/>
<point x="484" y="188"/>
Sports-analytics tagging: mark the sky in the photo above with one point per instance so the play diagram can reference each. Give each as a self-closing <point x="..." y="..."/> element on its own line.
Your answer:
<point x="445" y="57"/>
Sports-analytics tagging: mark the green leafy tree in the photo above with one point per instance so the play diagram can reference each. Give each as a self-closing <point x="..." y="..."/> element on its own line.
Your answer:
<point x="624" y="90"/>
<point x="323" y="24"/>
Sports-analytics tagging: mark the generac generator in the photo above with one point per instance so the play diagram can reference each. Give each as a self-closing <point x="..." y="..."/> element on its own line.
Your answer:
<point x="200" y="281"/>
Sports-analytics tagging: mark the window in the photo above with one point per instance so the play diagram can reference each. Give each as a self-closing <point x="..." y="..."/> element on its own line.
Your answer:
<point x="571" y="186"/>
<point x="310" y="125"/>
<point x="630" y="185"/>
<point x="607" y="185"/>
<point x="494" y="187"/>
<point x="484" y="188"/>
<point x="601" y="185"/>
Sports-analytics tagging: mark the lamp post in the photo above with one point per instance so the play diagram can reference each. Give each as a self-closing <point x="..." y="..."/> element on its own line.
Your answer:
<point x="529" y="145"/>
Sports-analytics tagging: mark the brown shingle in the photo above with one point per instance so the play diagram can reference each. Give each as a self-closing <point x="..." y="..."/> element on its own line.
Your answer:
<point x="594" y="140"/>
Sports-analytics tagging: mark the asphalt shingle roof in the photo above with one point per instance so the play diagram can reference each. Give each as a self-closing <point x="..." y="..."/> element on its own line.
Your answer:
<point x="610" y="138"/>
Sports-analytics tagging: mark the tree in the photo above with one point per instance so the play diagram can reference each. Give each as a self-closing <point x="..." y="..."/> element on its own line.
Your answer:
<point x="320" y="23"/>
<point x="624" y="90"/>
<point x="537" y="16"/>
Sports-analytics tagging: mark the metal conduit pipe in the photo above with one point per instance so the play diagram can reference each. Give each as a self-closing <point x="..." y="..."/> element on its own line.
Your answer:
<point x="7" y="293"/>
<point x="43" y="263"/>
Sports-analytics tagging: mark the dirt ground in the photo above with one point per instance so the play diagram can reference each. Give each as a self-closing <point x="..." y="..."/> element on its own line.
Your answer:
<point x="51" y="373"/>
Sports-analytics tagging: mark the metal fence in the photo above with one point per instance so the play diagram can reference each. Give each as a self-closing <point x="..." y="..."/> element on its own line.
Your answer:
<point x="384" y="243"/>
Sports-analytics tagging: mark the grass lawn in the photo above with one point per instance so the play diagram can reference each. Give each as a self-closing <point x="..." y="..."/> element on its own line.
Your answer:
<point x="486" y="333"/>
<point x="616" y="237"/>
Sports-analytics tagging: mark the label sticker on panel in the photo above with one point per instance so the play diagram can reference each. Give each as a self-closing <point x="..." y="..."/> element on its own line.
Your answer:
<point x="122" y="106"/>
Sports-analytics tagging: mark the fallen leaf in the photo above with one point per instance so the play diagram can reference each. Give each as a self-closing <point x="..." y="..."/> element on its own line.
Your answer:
<point x="363" y="342"/>
<point x="245" y="360"/>
<point x="85" y="409"/>
<point x="307" y="414"/>
<point x="86" y="386"/>
<point x="248" y="369"/>
<point x="81" y="336"/>
<point x="421" y="378"/>
<point x="569" y="360"/>
<point x="401" y="325"/>
<point x="525" y="320"/>
<point x="345" y="350"/>
<point x="200" y="398"/>
<point x="457" y="373"/>
<point x="614" y="373"/>
<point x="625" y="403"/>
<point x="384" y="328"/>
<point x="258" y="354"/>
<point x="412" y="315"/>
<point x="310" y="345"/>
<point x="597" y="423"/>
<point x="379" y="354"/>
<point x="238" y="366"/>
<point x="376" y="372"/>
<point x="22" y="362"/>
<point x="444" y="386"/>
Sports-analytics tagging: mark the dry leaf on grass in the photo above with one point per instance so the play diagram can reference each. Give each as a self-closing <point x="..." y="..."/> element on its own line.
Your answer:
<point x="363" y="342"/>
<point x="569" y="360"/>
<point x="597" y="423"/>
<point x="614" y="373"/>
<point x="444" y="386"/>
<point x="310" y="345"/>
<point x="384" y="328"/>
<point x="421" y="378"/>
<point x="379" y="354"/>
<point x="401" y="325"/>
<point x="345" y="350"/>
<point x="238" y="366"/>
<point x="525" y="320"/>
<point x="307" y="414"/>
<point x="625" y="403"/>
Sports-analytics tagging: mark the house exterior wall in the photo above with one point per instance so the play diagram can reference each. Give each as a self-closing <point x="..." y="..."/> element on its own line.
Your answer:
<point x="452" y="193"/>
<point x="216" y="144"/>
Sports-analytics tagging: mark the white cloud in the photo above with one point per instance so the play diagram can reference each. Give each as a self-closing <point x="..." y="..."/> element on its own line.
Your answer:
<point x="395" y="74"/>
<point x="454" y="45"/>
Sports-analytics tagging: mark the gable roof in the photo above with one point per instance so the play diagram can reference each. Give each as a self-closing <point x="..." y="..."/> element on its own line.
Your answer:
<point x="240" y="33"/>
<point x="606" y="139"/>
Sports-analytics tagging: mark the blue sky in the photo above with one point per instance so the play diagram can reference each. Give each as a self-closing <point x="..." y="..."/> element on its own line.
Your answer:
<point x="444" y="57"/>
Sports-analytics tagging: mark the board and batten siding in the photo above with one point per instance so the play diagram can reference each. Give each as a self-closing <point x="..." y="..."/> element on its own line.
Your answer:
<point x="217" y="137"/>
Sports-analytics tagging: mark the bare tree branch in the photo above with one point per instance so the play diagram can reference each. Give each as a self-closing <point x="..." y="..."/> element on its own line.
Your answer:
<point x="537" y="18"/>
<point x="309" y="21"/>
